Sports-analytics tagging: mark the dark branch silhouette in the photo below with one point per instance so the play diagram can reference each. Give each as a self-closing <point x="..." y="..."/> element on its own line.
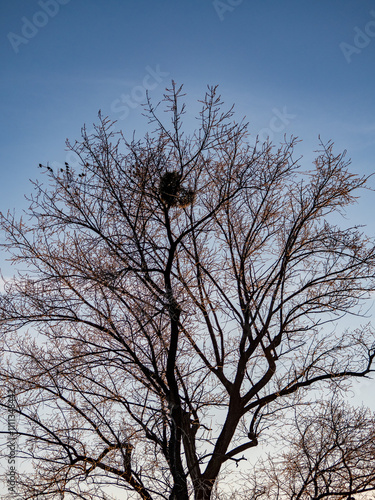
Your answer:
<point x="175" y="297"/>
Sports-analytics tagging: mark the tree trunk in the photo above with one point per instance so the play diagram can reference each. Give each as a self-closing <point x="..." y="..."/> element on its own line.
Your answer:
<point x="204" y="489"/>
<point x="180" y="490"/>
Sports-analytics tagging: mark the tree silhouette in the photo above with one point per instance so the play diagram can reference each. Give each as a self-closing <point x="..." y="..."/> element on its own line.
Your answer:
<point x="174" y="296"/>
<point x="327" y="453"/>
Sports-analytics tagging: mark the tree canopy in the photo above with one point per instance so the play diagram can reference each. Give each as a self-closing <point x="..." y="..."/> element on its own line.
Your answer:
<point x="176" y="296"/>
<point x="328" y="452"/>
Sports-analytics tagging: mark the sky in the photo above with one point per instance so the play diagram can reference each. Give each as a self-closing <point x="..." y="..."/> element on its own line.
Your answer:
<point x="298" y="67"/>
<point x="290" y="67"/>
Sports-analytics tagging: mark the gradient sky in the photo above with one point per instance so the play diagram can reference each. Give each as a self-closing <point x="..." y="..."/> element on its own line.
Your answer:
<point x="264" y="54"/>
<point x="310" y="62"/>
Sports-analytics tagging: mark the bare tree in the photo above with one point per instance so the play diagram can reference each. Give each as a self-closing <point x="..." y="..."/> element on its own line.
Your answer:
<point x="174" y="294"/>
<point x="330" y="453"/>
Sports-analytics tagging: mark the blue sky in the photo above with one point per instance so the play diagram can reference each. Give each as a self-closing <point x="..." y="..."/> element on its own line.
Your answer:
<point x="268" y="57"/>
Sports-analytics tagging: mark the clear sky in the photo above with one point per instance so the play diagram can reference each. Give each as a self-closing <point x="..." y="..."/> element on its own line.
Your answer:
<point x="63" y="60"/>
